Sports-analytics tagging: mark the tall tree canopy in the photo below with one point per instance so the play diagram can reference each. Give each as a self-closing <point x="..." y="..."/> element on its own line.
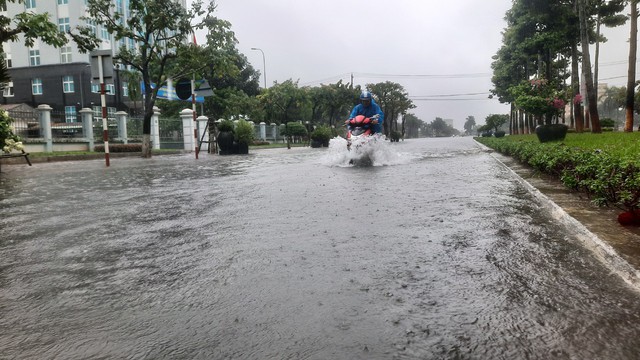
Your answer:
<point x="393" y="100"/>
<point x="159" y="29"/>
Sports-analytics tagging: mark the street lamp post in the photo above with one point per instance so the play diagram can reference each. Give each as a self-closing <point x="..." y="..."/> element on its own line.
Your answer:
<point x="264" y="66"/>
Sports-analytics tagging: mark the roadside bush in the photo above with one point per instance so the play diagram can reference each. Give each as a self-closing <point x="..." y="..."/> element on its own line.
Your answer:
<point x="120" y="148"/>
<point x="321" y="133"/>
<point x="244" y="133"/>
<point x="295" y="129"/>
<point x="5" y="129"/>
<point x="225" y="125"/>
<point x="395" y="136"/>
<point x="607" y="123"/>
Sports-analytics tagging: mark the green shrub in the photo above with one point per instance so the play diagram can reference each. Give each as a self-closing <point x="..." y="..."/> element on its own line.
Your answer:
<point x="5" y="129"/>
<point x="225" y="125"/>
<point x="322" y="133"/>
<point x="295" y="129"/>
<point x="395" y="136"/>
<point x="244" y="132"/>
<point x="607" y="123"/>
<point x="120" y="148"/>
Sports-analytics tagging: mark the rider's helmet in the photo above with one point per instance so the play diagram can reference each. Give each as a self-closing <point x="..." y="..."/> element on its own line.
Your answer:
<point x="365" y="95"/>
<point x="365" y="98"/>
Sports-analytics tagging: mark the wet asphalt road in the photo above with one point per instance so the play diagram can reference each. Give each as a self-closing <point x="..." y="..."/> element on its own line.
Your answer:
<point x="438" y="253"/>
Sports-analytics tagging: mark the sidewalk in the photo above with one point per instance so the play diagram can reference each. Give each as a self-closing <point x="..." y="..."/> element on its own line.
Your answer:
<point x="616" y="246"/>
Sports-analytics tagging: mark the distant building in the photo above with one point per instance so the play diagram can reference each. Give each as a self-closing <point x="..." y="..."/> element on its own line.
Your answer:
<point x="61" y="78"/>
<point x="449" y="122"/>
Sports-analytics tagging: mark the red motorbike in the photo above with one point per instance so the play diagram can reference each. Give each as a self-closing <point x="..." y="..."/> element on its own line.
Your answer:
<point x="358" y="129"/>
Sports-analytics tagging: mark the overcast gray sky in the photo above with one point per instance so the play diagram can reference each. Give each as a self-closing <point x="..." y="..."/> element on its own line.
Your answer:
<point x="440" y="51"/>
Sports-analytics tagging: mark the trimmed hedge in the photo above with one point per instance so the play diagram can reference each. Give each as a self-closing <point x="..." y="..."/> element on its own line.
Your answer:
<point x="120" y="148"/>
<point x="607" y="179"/>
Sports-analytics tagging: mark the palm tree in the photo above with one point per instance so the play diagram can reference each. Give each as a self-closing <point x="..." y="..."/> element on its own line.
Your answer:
<point x="586" y="66"/>
<point x="631" y="76"/>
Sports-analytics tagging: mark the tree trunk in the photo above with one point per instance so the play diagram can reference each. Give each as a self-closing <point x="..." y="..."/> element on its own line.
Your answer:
<point x="631" y="75"/>
<point x="596" y="57"/>
<point x="146" y="145"/>
<point x="575" y="85"/>
<point x="577" y="114"/>
<point x="586" y="66"/>
<point x="513" y="125"/>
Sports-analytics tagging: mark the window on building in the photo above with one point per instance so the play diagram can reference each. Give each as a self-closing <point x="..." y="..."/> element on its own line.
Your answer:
<point x="67" y="84"/>
<point x="104" y="33"/>
<point x="97" y="113"/>
<point x="65" y="54"/>
<point x="8" y="62"/>
<point x="63" y="25"/>
<point x="95" y="88"/>
<point x="63" y="2"/>
<point x="125" y="90"/>
<point x="34" y="57"/>
<point x="8" y="90"/>
<point x="70" y="114"/>
<point x="110" y="89"/>
<point x="36" y="86"/>
<point x="92" y="26"/>
<point x="30" y="4"/>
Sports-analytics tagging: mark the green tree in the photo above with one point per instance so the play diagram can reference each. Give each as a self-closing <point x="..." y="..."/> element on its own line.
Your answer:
<point x="160" y="29"/>
<point x="285" y="102"/>
<point x="333" y="102"/>
<point x="540" y="98"/>
<point x="495" y="121"/>
<point x="412" y="125"/>
<point x="234" y="81"/>
<point x="393" y="100"/>
<point x="469" y="125"/>
<point x="133" y="79"/>
<point x="608" y="13"/>
<point x="440" y="128"/>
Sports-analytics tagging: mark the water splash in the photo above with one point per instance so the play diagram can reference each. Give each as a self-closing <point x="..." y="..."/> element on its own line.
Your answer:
<point x="373" y="151"/>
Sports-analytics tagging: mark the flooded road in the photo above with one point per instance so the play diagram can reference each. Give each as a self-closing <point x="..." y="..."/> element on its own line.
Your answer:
<point x="437" y="252"/>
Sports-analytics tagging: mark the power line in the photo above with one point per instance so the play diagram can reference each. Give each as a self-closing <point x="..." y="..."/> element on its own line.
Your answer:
<point x="448" y="95"/>
<point x="424" y="76"/>
<point x="462" y="99"/>
<point x="335" y="77"/>
<point x="620" y="62"/>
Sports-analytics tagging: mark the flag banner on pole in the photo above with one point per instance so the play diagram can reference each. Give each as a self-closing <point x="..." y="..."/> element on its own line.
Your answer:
<point x="169" y="93"/>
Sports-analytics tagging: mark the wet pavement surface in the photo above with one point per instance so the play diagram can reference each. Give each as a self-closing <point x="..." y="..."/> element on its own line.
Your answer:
<point x="437" y="251"/>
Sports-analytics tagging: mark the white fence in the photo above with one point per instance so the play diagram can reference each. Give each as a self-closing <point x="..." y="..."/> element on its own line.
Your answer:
<point x="44" y="130"/>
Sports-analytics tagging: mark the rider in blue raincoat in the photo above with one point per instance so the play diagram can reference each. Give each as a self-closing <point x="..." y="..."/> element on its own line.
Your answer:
<point x="368" y="108"/>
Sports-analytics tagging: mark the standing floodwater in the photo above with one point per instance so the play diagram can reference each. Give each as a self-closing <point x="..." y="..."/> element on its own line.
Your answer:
<point x="439" y="253"/>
